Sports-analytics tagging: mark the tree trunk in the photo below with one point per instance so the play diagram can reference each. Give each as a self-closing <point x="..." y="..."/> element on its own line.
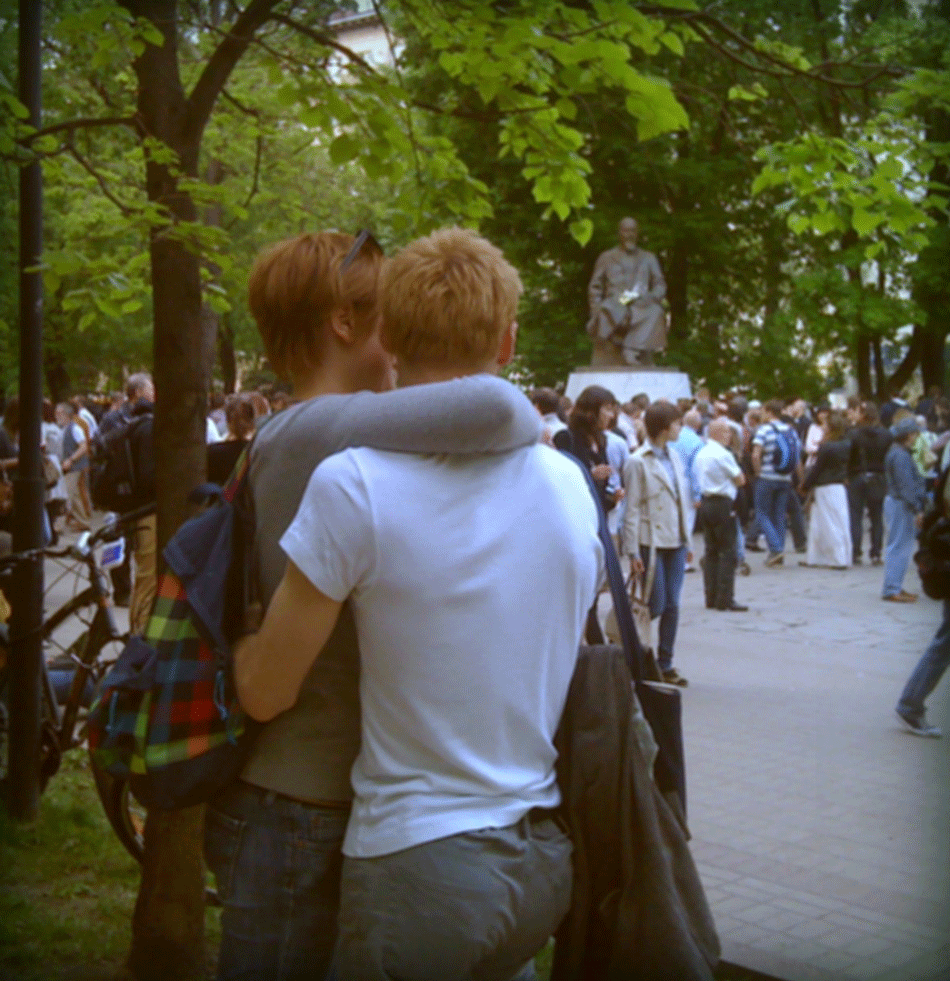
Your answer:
<point x="213" y="217"/>
<point x="862" y="363"/>
<point x="226" y="354"/>
<point x="931" y="286"/>
<point x="880" y="380"/>
<point x="168" y="923"/>
<point x="908" y="365"/>
<point x="57" y="375"/>
<point x="933" y="339"/>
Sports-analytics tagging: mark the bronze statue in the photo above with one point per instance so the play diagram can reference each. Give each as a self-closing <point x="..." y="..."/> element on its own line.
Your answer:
<point x="627" y="321"/>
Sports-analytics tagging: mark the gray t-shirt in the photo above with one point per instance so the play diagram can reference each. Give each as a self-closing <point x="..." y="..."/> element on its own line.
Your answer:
<point x="307" y="752"/>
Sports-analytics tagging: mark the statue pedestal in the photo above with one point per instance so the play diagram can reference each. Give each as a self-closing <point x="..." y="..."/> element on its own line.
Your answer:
<point x="658" y="383"/>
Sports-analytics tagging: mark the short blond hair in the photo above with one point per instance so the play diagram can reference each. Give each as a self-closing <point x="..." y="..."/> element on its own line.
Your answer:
<point x="294" y="287"/>
<point x="447" y="299"/>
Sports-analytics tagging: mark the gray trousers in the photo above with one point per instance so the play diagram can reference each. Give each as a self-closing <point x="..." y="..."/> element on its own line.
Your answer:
<point x="471" y="907"/>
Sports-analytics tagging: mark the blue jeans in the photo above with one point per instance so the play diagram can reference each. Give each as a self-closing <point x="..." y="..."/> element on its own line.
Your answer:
<point x="277" y="863"/>
<point x="665" y="598"/>
<point x="901" y="534"/>
<point x="771" y="510"/>
<point x="929" y="670"/>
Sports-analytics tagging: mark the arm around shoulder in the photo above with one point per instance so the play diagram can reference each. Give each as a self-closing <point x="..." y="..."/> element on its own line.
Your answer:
<point x="470" y="415"/>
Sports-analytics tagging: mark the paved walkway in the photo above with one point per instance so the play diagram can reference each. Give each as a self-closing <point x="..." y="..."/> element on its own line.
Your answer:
<point x="820" y="827"/>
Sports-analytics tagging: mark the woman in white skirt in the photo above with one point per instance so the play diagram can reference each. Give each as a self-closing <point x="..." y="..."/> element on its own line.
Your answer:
<point x="829" y="530"/>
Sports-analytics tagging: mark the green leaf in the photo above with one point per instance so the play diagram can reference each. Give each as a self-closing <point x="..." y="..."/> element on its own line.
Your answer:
<point x="581" y="230"/>
<point x="673" y="42"/>
<point x="288" y="95"/>
<point x="655" y="107"/>
<point x="543" y="189"/>
<point x="864" y="222"/>
<point x="826" y="221"/>
<point x="344" y="148"/>
<point x="451" y="62"/>
<point x="746" y="93"/>
<point x="218" y="303"/>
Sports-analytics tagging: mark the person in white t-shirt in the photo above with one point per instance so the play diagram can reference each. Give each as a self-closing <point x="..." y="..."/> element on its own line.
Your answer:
<point x="719" y="476"/>
<point x="470" y="581"/>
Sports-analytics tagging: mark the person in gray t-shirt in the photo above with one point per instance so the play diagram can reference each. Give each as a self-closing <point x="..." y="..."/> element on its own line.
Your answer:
<point x="273" y="838"/>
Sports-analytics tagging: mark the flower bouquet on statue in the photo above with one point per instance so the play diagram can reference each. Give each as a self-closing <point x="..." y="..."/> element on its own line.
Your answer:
<point x="628" y="296"/>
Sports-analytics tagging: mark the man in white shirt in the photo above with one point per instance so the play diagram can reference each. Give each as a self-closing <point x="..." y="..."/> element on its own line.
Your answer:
<point x="618" y="452"/>
<point x="719" y="475"/>
<point x="547" y="402"/>
<point x="454" y="864"/>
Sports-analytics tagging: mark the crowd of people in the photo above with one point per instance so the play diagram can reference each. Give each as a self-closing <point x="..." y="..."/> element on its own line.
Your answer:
<point x="398" y="814"/>
<point x="743" y="472"/>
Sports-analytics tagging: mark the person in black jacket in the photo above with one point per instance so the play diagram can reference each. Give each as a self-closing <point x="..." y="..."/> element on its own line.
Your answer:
<point x="589" y="419"/>
<point x="829" y="531"/>
<point x="866" y="484"/>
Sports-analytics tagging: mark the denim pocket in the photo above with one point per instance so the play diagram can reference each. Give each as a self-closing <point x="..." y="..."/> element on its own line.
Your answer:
<point x="223" y="837"/>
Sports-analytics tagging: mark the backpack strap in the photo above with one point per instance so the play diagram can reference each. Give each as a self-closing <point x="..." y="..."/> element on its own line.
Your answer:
<point x="238" y="479"/>
<point x="238" y="492"/>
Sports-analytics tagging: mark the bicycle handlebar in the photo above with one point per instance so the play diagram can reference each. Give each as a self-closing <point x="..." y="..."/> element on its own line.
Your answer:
<point x="82" y="548"/>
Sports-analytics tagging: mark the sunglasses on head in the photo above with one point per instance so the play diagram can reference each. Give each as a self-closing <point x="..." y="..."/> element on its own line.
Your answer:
<point x="362" y="237"/>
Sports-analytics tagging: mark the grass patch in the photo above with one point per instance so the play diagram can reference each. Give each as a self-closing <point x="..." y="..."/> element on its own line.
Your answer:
<point x="68" y="888"/>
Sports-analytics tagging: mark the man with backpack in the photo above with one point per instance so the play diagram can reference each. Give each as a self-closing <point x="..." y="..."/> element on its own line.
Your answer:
<point x="123" y="473"/>
<point x="776" y="459"/>
<point x="454" y="865"/>
<point x="123" y="478"/>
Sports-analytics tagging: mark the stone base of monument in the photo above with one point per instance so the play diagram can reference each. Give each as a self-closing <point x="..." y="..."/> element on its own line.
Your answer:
<point x="657" y="383"/>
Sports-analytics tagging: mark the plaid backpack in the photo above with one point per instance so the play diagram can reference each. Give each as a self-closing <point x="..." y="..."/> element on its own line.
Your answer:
<point x="166" y="715"/>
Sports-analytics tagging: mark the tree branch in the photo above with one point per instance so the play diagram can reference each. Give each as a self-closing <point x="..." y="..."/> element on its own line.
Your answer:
<point x="407" y="110"/>
<point x="328" y="41"/>
<point x="222" y="62"/>
<point x="782" y="68"/>
<point x="71" y="125"/>
<point x="258" y="154"/>
<point x="99" y="179"/>
<point x="247" y="110"/>
<point x="319" y="37"/>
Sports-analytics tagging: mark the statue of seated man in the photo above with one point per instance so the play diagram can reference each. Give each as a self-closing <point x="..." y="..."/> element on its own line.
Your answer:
<point x="627" y="320"/>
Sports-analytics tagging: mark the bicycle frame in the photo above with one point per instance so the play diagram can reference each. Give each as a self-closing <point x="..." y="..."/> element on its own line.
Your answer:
<point x="102" y="629"/>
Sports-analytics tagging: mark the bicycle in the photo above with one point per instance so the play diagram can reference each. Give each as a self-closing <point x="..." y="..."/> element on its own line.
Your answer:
<point x="74" y="662"/>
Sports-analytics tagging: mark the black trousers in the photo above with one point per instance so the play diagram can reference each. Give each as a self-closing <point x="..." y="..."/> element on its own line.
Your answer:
<point x="866" y="492"/>
<point x="719" y="565"/>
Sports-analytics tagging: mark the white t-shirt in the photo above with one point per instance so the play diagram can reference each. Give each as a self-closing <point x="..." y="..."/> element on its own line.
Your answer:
<point x="211" y="432"/>
<point x="470" y="581"/>
<point x="89" y="419"/>
<point x="715" y="467"/>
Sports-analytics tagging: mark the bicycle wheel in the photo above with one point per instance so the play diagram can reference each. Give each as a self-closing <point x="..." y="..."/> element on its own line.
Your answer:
<point x="125" y="813"/>
<point x="127" y="817"/>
